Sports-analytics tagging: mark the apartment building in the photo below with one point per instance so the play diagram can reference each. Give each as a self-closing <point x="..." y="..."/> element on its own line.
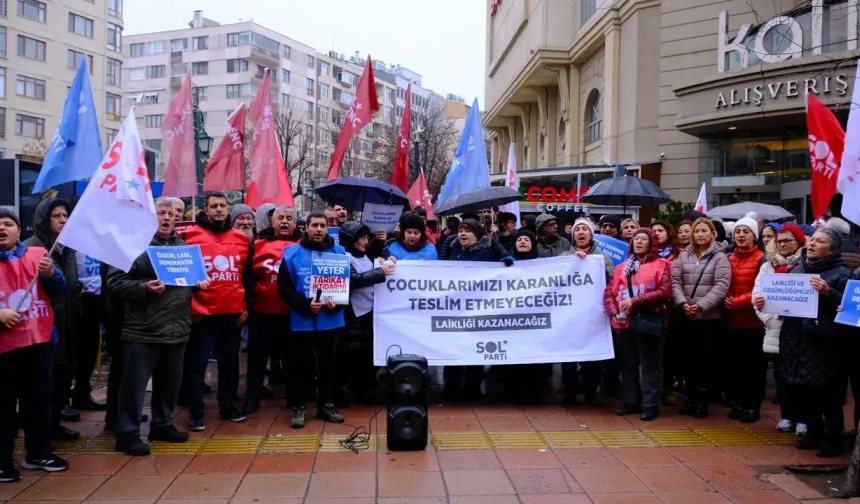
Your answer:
<point x="41" y="46"/>
<point x="227" y="65"/>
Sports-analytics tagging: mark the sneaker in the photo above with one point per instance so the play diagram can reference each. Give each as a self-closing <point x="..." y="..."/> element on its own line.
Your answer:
<point x="750" y="416"/>
<point x="168" y="434"/>
<point x="51" y="464"/>
<point x="801" y="429"/>
<point x="649" y="414"/>
<point x="298" y="421"/>
<point x="736" y="413"/>
<point x="232" y="415"/>
<point x="785" y="425"/>
<point x="196" y="424"/>
<point x="329" y="413"/>
<point x="134" y="447"/>
<point x="69" y="414"/>
<point x="9" y="475"/>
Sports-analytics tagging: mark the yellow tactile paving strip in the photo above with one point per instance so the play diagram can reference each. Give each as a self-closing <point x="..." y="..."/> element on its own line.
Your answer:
<point x="468" y="440"/>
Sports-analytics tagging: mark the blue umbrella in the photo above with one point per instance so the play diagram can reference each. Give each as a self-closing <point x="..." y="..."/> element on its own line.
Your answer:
<point x="353" y="192"/>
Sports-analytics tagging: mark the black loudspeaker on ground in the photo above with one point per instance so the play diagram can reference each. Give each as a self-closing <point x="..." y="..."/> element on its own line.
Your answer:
<point x="406" y="397"/>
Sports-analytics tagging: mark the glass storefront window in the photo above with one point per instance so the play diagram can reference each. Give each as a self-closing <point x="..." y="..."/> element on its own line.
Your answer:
<point x="778" y="160"/>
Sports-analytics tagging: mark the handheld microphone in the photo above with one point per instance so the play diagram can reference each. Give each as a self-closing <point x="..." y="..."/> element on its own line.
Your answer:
<point x="319" y="295"/>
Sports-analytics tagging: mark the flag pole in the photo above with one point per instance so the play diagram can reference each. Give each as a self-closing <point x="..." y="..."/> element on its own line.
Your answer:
<point x="33" y="281"/>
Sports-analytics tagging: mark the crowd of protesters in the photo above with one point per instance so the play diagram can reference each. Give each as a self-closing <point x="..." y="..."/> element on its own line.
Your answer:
<point x="685" y="302"/>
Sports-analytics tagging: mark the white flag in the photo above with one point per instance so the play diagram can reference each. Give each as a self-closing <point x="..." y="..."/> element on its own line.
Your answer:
<point x="702" y="201"/>
<point x="512" y="181"/>
<point x="848" y="182"/>
<point x="115" y="219"/>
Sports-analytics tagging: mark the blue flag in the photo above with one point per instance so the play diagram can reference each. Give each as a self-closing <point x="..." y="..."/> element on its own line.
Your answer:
<point x="76" y="150"/>
<point x="469" y="170"/>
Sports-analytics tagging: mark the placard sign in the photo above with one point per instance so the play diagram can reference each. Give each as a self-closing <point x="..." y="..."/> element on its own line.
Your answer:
<point x="331" y="274"/>
<point x="180" y="266"/>
<point x="789" y="295"/>
<point x="850" y="314"/>
<point x="381" y="217"/>
<point x="614" y="248"/>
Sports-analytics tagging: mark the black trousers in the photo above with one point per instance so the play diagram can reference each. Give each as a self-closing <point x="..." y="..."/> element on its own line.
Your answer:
<point x="87" y="344"/>
<point x="354" y="369"/>
<point x="700" y="345"/>
<point x="747" y="378"/>
<point x="581" y="377"/>
<point x="463" y="382"/>
<point x="673" y="350"/>
<point x="61" y="391"/>
<point x="114" y="347"/>
<point x="821" y="409"/>
<point x="306" y="350"/>
<point x="26" y="381"/>
<point x="641" y="357"/>
<point x="267" y="335"/>
<point x="142" y="361"/>
<point x="853" y="371"/>
<point x="221" y="334"/>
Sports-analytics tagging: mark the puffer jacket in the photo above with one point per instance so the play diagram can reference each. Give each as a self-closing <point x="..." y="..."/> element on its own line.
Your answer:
<point x="772" y="322"/>
<point x="812" y="352"/>
<point x="714" y="286"/>
<point x="745" y="267"/>
<point x="482" y="250"/>
<point x="151" y="318"/>
<point x="593" y="250"/>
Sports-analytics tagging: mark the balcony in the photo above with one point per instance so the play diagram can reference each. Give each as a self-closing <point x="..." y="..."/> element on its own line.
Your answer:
<point x="176" y="82"/>
<point x="176" y="57"/>
<point x="265" y="56"/>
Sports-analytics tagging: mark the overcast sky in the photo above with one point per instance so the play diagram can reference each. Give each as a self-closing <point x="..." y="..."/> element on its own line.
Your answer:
<point x="443" y="40"/>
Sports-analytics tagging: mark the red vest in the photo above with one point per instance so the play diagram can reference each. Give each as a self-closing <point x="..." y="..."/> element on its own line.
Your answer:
<point x="267" y="260"/>
<point x="224" y="256"/>
<point x="37" y="317"/>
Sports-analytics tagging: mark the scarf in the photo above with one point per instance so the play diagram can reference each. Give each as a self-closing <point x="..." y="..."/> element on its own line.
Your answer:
<point x="631" y="265"/>
<point x="415" y="248"/>
<point x="665" y="252"/>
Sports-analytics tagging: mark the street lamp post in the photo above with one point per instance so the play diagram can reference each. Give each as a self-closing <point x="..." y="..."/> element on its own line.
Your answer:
<point x="416" y="153"/>
<point x="202" y="140"/>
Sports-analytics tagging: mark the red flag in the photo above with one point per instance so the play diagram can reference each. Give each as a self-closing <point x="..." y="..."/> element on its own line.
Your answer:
<point x="419" y="195"/>
<point x="177" y="130"/>
<point x="400" y="175"/>
<point x="226" y="168"/>
<point x="826" y="142"/>
<point x="363" y="106"/>
<point x="269" y="182"/>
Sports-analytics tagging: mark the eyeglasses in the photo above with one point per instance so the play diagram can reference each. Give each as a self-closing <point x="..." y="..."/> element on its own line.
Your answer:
<point x="785" y="241"/>
<point x="603" y="226"/>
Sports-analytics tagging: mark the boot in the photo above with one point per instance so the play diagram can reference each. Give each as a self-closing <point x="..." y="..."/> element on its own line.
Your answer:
<point x="701" y="410"/>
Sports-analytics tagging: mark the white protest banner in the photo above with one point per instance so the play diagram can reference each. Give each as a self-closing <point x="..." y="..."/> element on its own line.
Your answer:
<point x="381" y="217"/>
<point x="471" y="313"/>
<point x="789" y="295"/>
<point x="330" y="273"/>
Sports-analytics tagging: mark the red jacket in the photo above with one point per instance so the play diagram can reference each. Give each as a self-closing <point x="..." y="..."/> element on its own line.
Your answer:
<point x="745" y="267"/>
<point x="652" y="288"/>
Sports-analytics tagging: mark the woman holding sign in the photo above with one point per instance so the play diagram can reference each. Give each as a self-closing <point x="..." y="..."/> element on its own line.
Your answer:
<point x="811" y="351"/>
<point x="700" y="282"/>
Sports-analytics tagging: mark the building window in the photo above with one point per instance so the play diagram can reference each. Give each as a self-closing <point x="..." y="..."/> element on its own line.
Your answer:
<point x="311" y="61"/>
<point x="201" y="43"/>
<point x="233" y="39"/>
<point x="80" y="25"/>
<point x="154" y="144"/>
<point x="74" y="58"/>
<point x="31" y="48"/>
<point x="200" y="68"/>
<point x="388" y="111"/>
<point x="136" y="50"/>
<point x="309" y="131"/>
<point x="325" y="68"/>
<point x="154" y="120"/>
<point x="285" y="100"/>
<point x="202" y="93"/>
<point x="150" y="98"/>
<point x="233" y="91"/>
<point x="237" y="66"/>
<point x="368" y="128"/>
<point x="401" y="93"/>
<point x="178" y="45"/>
<point x="113" y="71"/>
<point x="155" y="72"/>
<point x="324" y="90"/>
<point x="29" y="126"/>
<point x="114" y="37"/>
<point x="155" y="47"/>
<point x="309" y="87"/>
<point x="32" y="10"/>
<point x="347" y="98"/>
<point x="323" y="159"/>
<point x="595" y="117"/>
<point x="137" y="74"/>
<point x="324" y="136"/>
<point x="112" y="106"/>
<point x="29" y="87"/>
<point x="309" y="110"/>
<point x="178" y="69"/>
<point x="323" y="113"/>
<point x="588" y="9"/>
<point x="346" y="78"/>
<point x="2" y="83"/>
<point x="285" y="76"/>
<point x="3" y="122"/>
<point x="2" y="41"/>
<point x="288" y="52"/>
<point x="115" y="8"/>
<point x="388" y="95"/>
<point x="110" y="135"/>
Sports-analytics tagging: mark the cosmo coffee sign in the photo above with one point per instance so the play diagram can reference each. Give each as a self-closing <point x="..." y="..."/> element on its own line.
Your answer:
<point x="792" y="35"/>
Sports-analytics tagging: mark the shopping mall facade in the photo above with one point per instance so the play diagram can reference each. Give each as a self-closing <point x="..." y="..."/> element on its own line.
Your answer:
<point x="682" y="92"/>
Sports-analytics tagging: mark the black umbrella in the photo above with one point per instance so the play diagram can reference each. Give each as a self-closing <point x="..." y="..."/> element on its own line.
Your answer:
<point x="353" y="192"/>
<point x="478" y="199"/>
<point x="625" y="191"/>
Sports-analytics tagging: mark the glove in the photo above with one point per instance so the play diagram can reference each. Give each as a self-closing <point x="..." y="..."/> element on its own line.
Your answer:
<point x="509" y="261"/>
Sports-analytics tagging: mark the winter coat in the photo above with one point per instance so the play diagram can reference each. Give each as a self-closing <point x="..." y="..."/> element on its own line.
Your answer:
<point x="66" y="306"/>
<point x="593" y="250"/>
<point x="850" y="253"/>
<point x="812" y="351"/>
<point x="362" y="277"/>
<point x="553" y="247"/>
<point x="425" y="253"/>
<point x="745" y="267"/>
<point x="652" y="287"/>
<point x="114" y="314"/>
<point x="773" y="322"/>
<point x="151" y="318"/>
<point x="482" y="250"/>
<point x="507" y="241"/>
<point x="443" y="246"/>
<point x="714" y="286"/>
